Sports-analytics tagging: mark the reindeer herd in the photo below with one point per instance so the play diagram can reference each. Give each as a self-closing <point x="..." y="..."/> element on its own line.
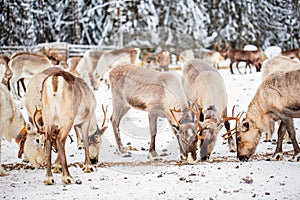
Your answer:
<point x="194" y="102"/>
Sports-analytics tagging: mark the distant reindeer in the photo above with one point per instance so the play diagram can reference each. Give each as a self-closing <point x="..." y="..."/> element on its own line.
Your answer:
<point x="292" y="53"/>
<point x="158" y="94"/>
<point x="24" y="65"/>
<point x="163" y="60"/>
<point x="94" y="64"/>
<point x="255" y="58"/>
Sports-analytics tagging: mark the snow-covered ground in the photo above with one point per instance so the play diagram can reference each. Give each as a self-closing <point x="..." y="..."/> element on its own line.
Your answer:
<point x="222" y="177"/>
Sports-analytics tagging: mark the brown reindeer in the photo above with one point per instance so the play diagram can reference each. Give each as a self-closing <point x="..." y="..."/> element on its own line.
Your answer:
<point x="67" y="101"/>
<point x="255" y="58"/>
<point x="277" y="98"/>
<point x="292" y="53"/>
<point x="157" y="93"/>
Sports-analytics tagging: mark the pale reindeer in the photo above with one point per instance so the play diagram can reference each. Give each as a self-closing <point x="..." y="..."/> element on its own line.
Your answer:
<point x="277" y="64"/>
<point x="72" y="64"/>
<point x="14" y="126"/>
<point x="24" y="65"/>
<point x="68" y="101"/>
<point x="255" y="58"/>
<point x="163" y="60"/>
<point x="204" y="84"/>
<point x="157" y="93"/>
<point x="278" y="98"/>
<point x="94" y="64"/>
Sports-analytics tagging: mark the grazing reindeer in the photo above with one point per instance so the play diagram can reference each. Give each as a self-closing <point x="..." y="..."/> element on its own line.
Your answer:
<point x="94" y="64"/>
<point x="255" y="58"/>
<point x="156" y="93"/>
<point x="25" y="65"/>
<point x="13" y="126"/>
<point x="163" y="60"/>
<point x="292" y="53"/>
<point x="277" y="64"/>
<point x="67" y="101"/>
<point x="278" y="98"/>
<point x="204" y="84"/>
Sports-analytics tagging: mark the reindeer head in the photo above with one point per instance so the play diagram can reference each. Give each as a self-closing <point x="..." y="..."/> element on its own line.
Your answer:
<point x="211" y="126"/>
<point x="34" y="147"/>
<point x="186" y="133"/>
<point x="95" y="140"/>
<point x="247" y="139"/>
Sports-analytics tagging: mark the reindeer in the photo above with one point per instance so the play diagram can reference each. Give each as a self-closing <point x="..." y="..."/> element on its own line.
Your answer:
<point x="163" y="60"/>
<point x="25" y="65"/>
<point x="72" y="65"/>
<point x="276" y="64"/>
<point x="204" y="84"/>
<point x="95" y="64"/>
<point x="292" y="53"/>
<point x="277" y="98"/>
<point x="5" y="72"/>
<point x="255" y="58"/>
<point x="14" y="126"/>
<point x="67" y="101"/>
<point x="156" y="93"/>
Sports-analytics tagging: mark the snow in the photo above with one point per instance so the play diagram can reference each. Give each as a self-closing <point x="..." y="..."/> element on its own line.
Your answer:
<point x="222" y="177"/>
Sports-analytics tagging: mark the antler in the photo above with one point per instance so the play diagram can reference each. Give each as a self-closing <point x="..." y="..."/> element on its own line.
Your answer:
<point x="231" y="132"/>
<point x="104" y="112"/>
<point x="40" y="130"/>
<point x="173" y="115"/>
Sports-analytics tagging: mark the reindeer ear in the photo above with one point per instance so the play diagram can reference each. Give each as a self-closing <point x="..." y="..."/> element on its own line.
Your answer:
<point x="245" y="126"/>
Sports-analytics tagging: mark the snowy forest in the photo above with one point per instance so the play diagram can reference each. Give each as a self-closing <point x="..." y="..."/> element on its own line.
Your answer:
<point x="152" y="23"/>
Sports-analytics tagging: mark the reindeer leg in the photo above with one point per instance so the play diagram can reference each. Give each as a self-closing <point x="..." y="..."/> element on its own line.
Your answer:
<point x="278" y="155"/>
<point x="119" y="110"/>
<point x="77" y="129"/>
<point x="237" y="66"/>
<point x="153" y="129"/>
<point x="87" y="167"/>
<point x="49" y="180"/>
<point x="57" y="168"/>
<point x="231" y="142"/>
<point x="230" y="66"/>
<point x="61" y="141"/>
<point x="292" y="133"/>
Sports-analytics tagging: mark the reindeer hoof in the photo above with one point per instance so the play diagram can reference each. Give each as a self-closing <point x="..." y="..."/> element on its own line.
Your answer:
<point x="49" y="180"/>
<point x="68" y="180"/>
<point x="277" y="157"/>
<point x="88" y="169"/>
<point x="296" y="158"/>
<point x="3" y="172"/>
<point x="153" y="155"/>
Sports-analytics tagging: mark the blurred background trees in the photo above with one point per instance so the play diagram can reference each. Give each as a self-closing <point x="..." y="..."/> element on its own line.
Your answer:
<point x="176" y="24"/>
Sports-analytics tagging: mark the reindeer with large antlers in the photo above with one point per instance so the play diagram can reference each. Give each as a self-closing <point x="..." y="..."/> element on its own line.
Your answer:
<point x="158" y="94"/>
<point x="277" y="98"/>
<point x="204" y="85"/>
<point x="68" y="101"/>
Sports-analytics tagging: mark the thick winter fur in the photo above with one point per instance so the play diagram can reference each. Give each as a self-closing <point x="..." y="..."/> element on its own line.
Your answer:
<point x="278" y="98"/>
<point x="156" y="93"/>
<point x="292" y="53"/>
<point x="204" y="84"/>
<point x="277" y="64"/>
<point x="67" y="101"/>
